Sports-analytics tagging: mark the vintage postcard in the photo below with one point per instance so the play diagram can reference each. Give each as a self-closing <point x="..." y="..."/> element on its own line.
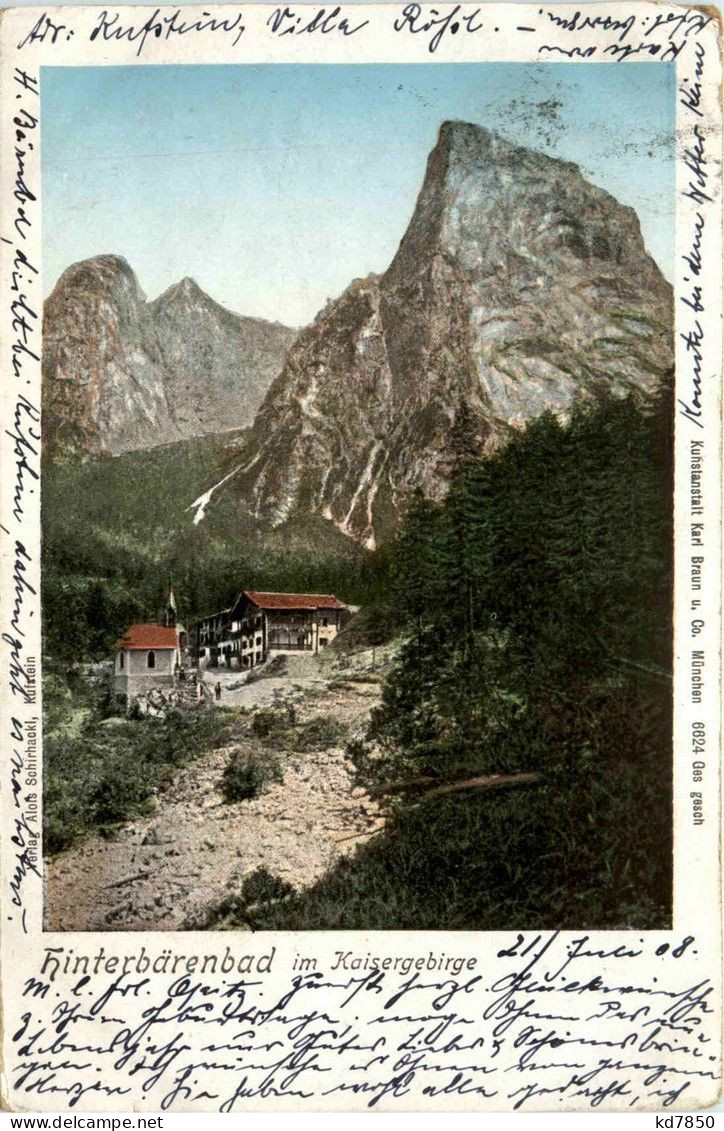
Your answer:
<point x="361" y="496"/>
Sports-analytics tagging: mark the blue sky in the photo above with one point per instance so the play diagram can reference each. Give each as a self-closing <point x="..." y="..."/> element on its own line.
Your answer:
<point x="274" y="186"/>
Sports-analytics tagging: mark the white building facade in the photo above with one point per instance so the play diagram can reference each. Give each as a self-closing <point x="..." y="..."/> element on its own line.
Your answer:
<point x="147" y="657"/>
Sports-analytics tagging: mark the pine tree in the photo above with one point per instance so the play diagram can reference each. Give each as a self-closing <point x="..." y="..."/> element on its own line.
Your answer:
<point x="457" y="552"/>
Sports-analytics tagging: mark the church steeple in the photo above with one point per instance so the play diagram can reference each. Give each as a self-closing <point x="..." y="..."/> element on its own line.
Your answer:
<point x="171" y="616"/>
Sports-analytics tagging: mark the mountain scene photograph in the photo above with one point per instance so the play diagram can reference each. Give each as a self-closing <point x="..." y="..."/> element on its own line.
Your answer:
<point x="357" y="497"/>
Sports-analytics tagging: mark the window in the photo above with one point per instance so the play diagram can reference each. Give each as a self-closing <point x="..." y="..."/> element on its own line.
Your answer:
<point x="121" y="660"/>
<point x="151" y="659"/>
<point x="322" y="641"/>
<point x="258" y="639"/>
<point x="325" y="622"/>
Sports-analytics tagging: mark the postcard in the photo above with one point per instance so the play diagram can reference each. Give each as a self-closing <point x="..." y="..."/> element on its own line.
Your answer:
<point x="361" y="498"/>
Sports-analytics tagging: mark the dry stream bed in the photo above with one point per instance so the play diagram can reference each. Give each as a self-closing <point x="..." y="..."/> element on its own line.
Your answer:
<point x="170" y="870"/>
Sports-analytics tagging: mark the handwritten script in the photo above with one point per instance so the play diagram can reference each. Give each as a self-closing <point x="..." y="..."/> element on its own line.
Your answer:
<point x="698" y="188"/>
<point x="547" y="1025"/>
<point x="22" y="311"/>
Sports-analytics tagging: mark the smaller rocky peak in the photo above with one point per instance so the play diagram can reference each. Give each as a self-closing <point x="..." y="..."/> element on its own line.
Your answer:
<point x="182" y="298"/>
<point x="107" y="276"/>
<point x="360" y="290"/>
<point x="189" y="286"/>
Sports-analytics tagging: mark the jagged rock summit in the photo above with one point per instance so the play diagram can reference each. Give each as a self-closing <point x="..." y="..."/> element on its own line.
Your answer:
<point x="517" y="287"/>
<point x="121" y="374"/>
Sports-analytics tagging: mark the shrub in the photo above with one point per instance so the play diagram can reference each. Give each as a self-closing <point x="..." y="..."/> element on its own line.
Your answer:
<point x="120" y="792"/>
<point x="247" y="773"/>
<point x="320" y="733"/>
<point x="267" y="722"/>
<point x="260" y="892"/>
<point x="263" y="887"/>
<point x="358" y="753"/>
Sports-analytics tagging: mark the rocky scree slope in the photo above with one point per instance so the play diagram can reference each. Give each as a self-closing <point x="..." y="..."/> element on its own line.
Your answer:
<point x="517" y="287"/>
<point x="120" y="374"/>
<point x="170" y="870"/>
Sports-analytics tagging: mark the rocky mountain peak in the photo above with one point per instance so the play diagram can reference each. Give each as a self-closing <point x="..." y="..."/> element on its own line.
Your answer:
<point x="517" y="287"/>
<point x="495" y="206"/>
<point x="104" y="278"/>
<point x="102" y="271"/>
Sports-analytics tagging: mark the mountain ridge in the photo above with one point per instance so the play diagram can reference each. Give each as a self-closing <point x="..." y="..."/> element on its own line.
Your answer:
<point x="517" y="287"/>
<point x="123" y="374"/>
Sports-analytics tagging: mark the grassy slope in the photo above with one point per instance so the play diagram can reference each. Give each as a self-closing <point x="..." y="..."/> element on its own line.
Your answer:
<point x="136" y="502"/>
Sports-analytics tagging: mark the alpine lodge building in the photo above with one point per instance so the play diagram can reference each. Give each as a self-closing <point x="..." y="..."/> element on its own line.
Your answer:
<point x="259" y="624"/>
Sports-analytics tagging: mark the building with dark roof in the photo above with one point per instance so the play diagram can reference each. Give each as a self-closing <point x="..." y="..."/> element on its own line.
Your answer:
<point x="259" y="623"/>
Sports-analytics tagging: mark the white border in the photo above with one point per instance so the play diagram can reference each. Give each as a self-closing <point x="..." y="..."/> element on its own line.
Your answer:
<point x="672" y="30"/>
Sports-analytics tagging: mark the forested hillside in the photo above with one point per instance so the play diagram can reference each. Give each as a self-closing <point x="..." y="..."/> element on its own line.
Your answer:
<point x="537" y="599"/>
<point x="118" y="533"/>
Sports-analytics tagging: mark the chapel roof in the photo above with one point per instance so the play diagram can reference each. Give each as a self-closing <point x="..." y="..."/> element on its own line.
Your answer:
<point x="148" y="636"/>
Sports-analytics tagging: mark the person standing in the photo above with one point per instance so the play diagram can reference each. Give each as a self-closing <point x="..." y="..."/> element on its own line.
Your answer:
<point x="217" y="690"/>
